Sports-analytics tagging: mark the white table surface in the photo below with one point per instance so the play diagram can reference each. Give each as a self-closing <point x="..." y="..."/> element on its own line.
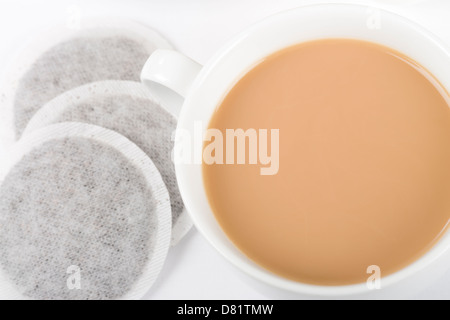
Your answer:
<point x="198" y="28"/>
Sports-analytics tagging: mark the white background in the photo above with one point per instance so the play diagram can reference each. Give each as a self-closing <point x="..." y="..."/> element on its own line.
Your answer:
<point x="198" y="28"/>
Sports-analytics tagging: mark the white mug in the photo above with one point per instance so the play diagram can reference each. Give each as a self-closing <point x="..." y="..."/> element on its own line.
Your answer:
<point x="192" y="93"/>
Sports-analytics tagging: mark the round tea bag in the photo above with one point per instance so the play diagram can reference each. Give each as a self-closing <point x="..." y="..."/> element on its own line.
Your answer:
<point x="129" y="109"/>
<point x="84" y="214"/>
<point x="65" y="59"/>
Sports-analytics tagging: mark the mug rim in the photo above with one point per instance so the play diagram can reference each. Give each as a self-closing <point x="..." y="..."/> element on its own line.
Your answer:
<point x="189" y="193"/>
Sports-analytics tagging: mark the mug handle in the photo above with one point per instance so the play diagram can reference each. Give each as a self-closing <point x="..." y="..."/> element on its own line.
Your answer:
<point x="169" y="75"/>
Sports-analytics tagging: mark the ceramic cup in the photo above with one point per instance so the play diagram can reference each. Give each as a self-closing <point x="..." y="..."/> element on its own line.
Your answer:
<point x="193" y="92"/>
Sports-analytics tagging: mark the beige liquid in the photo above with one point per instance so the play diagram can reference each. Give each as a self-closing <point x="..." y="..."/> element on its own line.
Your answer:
<point x="364" y="174"/>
